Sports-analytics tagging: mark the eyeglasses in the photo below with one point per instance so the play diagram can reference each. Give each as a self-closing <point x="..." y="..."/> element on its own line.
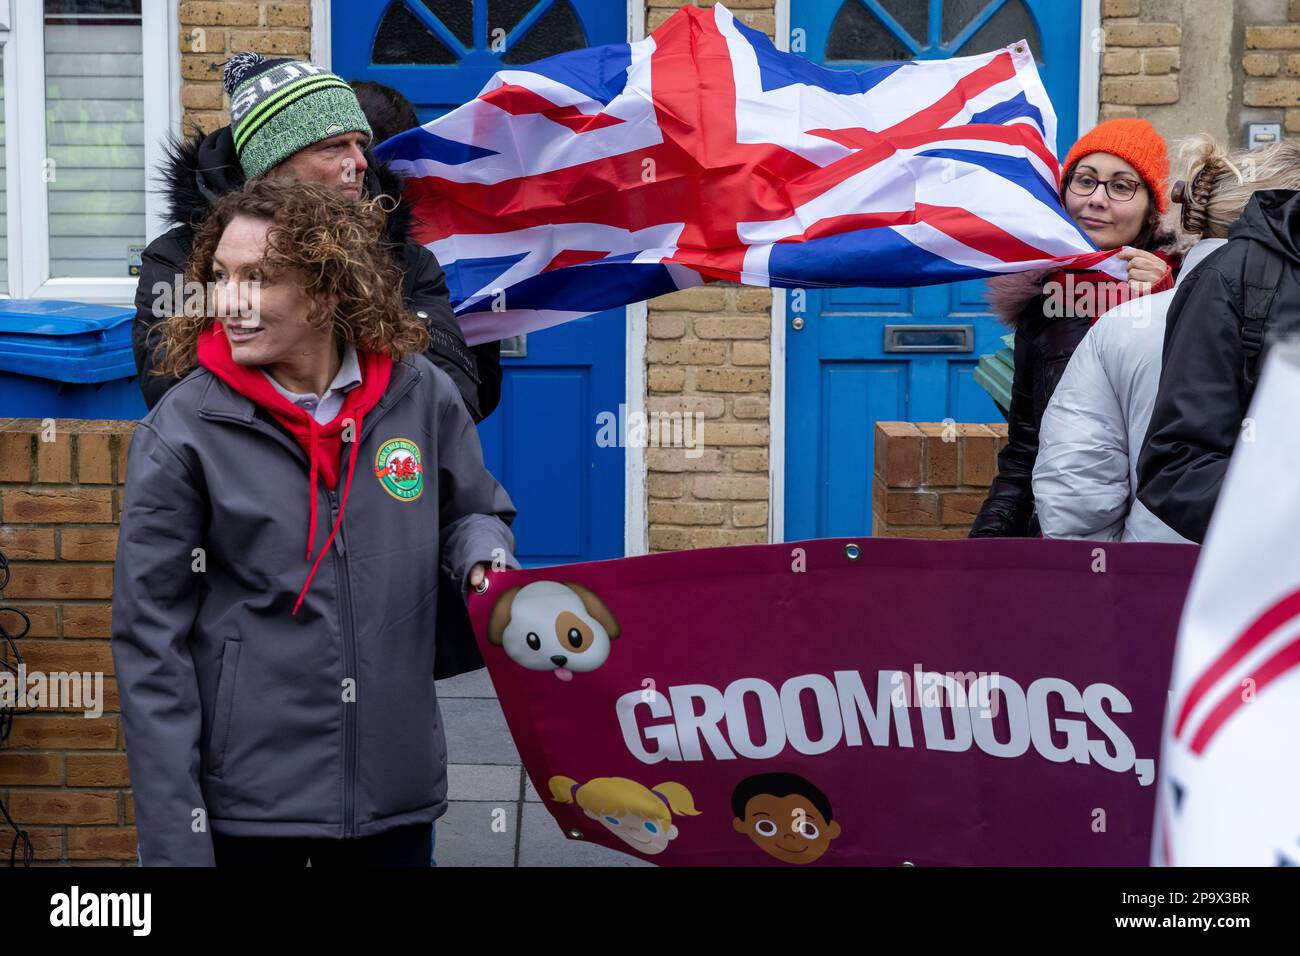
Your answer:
<point x="1120" y="190"/>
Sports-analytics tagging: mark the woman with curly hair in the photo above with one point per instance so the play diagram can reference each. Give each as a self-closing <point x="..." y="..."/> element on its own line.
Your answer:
<point x="287" y="507"/>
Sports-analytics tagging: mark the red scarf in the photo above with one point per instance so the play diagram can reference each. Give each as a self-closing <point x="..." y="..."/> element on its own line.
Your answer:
<point x="323" y="444"/>
<point x="1092" y="289"/>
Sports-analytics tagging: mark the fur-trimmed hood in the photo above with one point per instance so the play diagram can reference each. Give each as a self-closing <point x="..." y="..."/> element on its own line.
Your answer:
<point x="197" y="170"/>
<point x="1008" y="295"/>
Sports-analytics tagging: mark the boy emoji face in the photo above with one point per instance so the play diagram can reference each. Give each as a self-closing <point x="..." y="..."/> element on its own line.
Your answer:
<point x="785" y="816"/>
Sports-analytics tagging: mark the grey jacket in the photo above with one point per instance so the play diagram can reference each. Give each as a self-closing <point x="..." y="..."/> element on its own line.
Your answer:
<point x="1085" y="478"/>
<point x="241" y="718"/>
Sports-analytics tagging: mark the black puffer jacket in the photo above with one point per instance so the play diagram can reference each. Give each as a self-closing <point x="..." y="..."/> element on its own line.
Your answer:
<point x="199" y="170"/>
<point x="1043" y="348"/>
<point x="1204" y="389"/>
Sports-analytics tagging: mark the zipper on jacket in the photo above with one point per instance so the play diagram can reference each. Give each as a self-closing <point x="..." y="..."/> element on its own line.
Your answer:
<point x="350" y="662"/>
<point x="277" y="434"/>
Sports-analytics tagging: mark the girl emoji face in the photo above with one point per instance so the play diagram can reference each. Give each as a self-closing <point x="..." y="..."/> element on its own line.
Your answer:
<point x="644" y="834"/>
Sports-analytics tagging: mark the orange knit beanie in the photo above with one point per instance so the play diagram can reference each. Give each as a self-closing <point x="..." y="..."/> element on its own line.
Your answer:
<point x="1137" y="143"/>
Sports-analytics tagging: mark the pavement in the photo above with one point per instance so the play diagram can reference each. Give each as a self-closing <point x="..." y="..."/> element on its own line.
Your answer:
<point x="495" y="817"/>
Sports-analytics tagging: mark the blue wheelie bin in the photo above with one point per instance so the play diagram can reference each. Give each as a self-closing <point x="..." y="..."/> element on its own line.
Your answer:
<point x="67" y="360"/>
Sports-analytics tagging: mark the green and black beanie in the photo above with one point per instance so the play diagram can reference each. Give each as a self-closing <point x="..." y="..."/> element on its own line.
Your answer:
<point x="278" y="107"/>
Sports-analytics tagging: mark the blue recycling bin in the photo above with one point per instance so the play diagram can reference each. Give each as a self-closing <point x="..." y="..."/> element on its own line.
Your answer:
<point x="67" y="360"/>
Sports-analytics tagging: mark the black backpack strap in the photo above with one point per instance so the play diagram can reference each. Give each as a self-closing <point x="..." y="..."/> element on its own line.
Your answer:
<point x="1261" y="277"/>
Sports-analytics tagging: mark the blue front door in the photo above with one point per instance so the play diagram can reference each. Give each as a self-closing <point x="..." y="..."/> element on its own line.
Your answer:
<point x="858" y="356"/>
<point x="541" y="440"/>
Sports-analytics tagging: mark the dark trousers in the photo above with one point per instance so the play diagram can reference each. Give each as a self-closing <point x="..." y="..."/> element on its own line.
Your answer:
<point x="401" y="846"/>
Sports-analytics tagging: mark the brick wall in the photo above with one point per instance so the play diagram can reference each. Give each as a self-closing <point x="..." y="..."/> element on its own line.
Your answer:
<point x="64" y="776"/>
<point x="213" y="29"/>
<point x="1271" y="63"/>
<point x="759" y="14"/>
<point x="1141" y="58"/>
<point x="931" y="478"/>
<point x="708" y="353"/>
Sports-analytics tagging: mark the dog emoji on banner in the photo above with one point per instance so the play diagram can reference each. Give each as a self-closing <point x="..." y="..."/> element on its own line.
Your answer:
<point x="549" y="626"/>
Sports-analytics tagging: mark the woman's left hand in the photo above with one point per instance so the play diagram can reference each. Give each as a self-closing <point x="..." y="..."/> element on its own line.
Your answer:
<point x="477" y="574"/>
<point x="1145" y="269"/>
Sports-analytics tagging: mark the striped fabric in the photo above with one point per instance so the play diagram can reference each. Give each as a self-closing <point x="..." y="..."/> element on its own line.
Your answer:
<point x="613" y="174"/>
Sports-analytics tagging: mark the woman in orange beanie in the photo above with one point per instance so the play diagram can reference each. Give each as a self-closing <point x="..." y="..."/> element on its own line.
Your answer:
<point x="1114" y="188"/>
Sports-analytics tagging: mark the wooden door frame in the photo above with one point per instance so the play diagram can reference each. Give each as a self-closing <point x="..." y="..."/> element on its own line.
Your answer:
<point x="636" y="526"/>
<point x="1089" y="100"/>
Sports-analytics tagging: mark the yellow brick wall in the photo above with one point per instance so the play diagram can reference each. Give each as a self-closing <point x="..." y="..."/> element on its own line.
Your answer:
<point x="1140" y="58"/>
<point x="1271" y="64"/>
<point x="708" y="352"/>
<point x="211" y="30"/>
<point x="759" y="14"/>
<point x="64" y="776"/>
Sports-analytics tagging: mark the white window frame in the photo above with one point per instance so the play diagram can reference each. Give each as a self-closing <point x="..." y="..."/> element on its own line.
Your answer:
<point x="28" y="206"/>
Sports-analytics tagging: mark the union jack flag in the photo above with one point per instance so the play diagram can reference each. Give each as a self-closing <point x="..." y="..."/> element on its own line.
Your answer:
<point x="613" y="174"/>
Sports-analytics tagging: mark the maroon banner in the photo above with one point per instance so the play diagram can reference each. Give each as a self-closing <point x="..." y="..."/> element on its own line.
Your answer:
<point x="840" y="702"/>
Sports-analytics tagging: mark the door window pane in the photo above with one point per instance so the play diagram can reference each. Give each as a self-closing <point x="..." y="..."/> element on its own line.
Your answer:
<point x="402" y="38"/>
<point x="457" y="16"/>
<point x="1010" y="23"/>
<point x="859" y="35"/>
<point x="558" y="30"/>
<point x="94" y="135"/>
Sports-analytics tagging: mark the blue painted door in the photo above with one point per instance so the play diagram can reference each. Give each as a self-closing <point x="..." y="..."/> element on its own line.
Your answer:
<point x="541" y="440"/>
<point x="858" y="356"/>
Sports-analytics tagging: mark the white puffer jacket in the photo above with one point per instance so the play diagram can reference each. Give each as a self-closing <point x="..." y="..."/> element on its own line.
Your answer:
<point x="1085" y="478"/>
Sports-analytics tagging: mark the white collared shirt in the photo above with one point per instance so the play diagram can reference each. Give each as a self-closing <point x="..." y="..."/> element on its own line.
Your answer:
<point x="325" y="408"/>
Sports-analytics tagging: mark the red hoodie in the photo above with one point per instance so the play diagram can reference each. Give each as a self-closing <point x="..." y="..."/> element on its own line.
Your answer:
<point x="323" y="444"/>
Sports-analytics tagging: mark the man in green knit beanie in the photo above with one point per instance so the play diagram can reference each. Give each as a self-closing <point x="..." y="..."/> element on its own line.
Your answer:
<point x="282" y="108"/>
<point x="296" y="119"/>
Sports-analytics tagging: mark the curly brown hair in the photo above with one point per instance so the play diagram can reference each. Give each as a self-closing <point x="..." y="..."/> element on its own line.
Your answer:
<point x="336" y="243"/>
